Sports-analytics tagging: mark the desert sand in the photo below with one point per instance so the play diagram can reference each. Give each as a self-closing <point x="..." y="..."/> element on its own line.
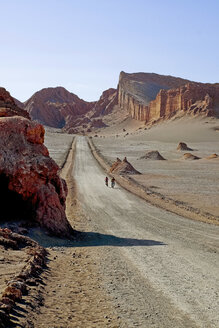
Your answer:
<point x="193" y="182"/>
<point x="132" y="264"/>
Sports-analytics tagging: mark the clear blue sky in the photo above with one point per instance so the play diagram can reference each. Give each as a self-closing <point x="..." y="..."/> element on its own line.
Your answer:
<point x="82" y="45"/>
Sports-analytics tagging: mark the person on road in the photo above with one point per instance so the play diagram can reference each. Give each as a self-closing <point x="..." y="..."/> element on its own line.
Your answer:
<point x="106" y="181"/>
<point x="113" y="182"/>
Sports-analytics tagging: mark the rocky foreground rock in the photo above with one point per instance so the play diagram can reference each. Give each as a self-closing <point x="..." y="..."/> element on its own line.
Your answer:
<point x="30" y="187"/>
<point x="18" y="285"/>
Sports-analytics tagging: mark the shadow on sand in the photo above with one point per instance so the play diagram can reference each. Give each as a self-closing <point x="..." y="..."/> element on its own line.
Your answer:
<point x="90" y="239"/>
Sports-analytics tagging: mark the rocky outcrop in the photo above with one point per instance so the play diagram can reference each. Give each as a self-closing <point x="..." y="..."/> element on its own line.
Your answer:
<point x="190" y="157"/>
<point x="19" y="103"/>
<point x="56" y="107"/>
<point x="212" y="156"/>
<point x="195" y="98"/>
<point x="105" y="104"/>
<point x="93" y="118"/>
<point x="151" y="97"/>
<point x="8" y="107"/>
<point x="183" y="146"/>
<point x="123" y="167"/>
<point x="30" y="188"/>
<point x="137" y="90"/>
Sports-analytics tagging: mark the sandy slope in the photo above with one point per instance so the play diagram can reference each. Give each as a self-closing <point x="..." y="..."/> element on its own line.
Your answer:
<point x="193" y="182"/>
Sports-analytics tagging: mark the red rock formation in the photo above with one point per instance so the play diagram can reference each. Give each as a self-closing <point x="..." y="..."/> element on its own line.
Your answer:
<point x="137" y="90"/>
<point x="105" y="104"/>
<point x="56" y="107"/>
<point x="19" y="103"/>
<point x="149" y="97"/>
<point x="8" y="106"/>
<point x="193" y="97"/>
<point x="30" y="187"/>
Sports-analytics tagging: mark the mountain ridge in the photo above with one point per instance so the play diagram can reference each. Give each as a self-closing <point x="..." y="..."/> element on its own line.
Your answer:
<point x="143" y="96"/>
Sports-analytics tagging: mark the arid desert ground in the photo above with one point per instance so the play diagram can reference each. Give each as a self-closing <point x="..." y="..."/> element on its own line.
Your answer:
<point x="147" y="267"/>
<point x="134" y="264"/>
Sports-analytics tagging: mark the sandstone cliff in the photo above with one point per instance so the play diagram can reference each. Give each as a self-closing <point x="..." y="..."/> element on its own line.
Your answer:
<point x="195" y="98"/>
<point x="150" y="97"/>
<point x="137" y="90"/>
<point x="56" y="107"/>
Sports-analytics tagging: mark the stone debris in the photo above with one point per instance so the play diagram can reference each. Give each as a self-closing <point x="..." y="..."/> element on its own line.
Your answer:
<point x="17" y="287"/>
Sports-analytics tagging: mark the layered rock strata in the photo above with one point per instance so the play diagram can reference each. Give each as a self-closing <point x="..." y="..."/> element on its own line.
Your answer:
<point x="150" y="97"/>
<point x="195" y="98"/>
<point x="123" y="167"/>
<point x="105" y="104"/>
<point x="137" y="90"/>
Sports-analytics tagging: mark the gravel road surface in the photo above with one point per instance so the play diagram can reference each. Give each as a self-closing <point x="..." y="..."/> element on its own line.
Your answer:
<point x="160" y="269"/>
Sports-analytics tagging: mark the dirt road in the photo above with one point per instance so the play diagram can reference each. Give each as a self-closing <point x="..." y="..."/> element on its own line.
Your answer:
<point x="159" y="269"/>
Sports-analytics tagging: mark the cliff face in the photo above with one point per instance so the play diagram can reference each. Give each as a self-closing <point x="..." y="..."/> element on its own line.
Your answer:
<point x="193" y="97"/>
<point x="8" y="107"/>
<point x="56" y="106"/>
<point x="137" y="90"/>
<point x="149" y="97"/>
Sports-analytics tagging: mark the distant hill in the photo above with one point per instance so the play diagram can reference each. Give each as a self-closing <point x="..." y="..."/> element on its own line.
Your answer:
<point x="54" y="106"/>
<point x="147" y="97"/>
